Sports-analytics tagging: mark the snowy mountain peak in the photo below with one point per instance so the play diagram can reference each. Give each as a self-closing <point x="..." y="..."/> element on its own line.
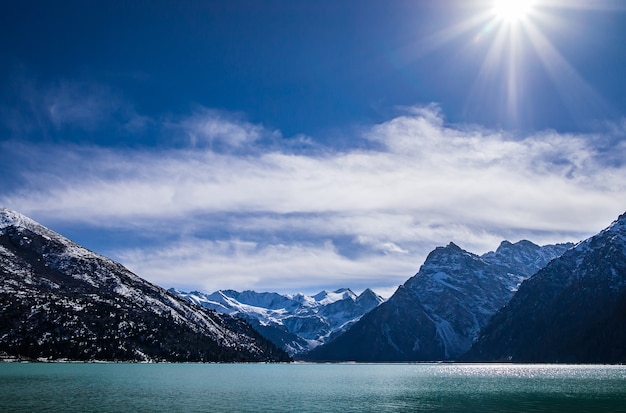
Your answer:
<point x="507" y="245"/>
<point x="524" y="258"/>
<point x="616" y="231"/>
<point x="9" y="218"/>
<point x="295" y="322"/>
<point x="12" y="219"/>
<point x="27" y="231"/>
<point x="453" y="246"/>
<point x="369" y="298"/>
<point x="449" y="256"/>
<point x="619" y="225"/>
<point x="327" y="297"/>
<point x="367" y="293"/>
<point x="448" y="251"/>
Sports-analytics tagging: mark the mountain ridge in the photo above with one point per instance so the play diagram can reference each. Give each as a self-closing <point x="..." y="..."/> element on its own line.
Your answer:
<point x="294" y="322"/>
<point x="439" y="312"/>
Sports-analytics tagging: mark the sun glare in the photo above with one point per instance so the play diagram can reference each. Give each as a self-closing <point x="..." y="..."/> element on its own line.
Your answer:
<point x="509" y="37"/>
<point x="512" y="10"/>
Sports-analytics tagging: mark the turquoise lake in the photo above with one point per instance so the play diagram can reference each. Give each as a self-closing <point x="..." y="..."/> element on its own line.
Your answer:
<point x="74" y="387"/>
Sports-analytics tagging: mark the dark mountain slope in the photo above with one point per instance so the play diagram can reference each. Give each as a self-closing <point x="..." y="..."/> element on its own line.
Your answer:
<point x="573" y="310"/>
<point x="61" y="301"/>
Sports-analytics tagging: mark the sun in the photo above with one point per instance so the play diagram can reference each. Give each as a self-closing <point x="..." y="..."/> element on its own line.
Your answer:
<point x="509" y="48"/>
<point x="512" y="10"/>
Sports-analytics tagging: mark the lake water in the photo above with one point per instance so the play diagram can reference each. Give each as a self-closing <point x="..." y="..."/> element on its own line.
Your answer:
<point x="72" y="387"/>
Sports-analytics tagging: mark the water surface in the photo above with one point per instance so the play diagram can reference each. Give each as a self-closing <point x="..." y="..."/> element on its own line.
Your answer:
<point x="71" y="387"/>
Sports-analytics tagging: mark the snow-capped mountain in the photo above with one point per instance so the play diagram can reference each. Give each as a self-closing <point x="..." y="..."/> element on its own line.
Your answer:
<point x="61" y="301"/>
<point x="571" y="311"/>
<point x="438" y="313"/>
<point x="296" y="323"/>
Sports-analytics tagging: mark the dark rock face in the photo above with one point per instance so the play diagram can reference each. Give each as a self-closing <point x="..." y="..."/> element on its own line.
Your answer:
<point x="572" y="311"/>
<point x="438" y="313"/>
<point x="61" y="301"/>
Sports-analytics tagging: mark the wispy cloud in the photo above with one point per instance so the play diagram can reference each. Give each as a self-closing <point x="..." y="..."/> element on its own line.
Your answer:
<point x="270" y="217"/>
<point x="82" y="105"/>
<point x="210" y="128"/>
<point x="70" y="105"/>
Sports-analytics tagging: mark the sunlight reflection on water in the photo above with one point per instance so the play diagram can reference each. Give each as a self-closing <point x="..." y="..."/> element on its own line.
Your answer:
<point x="311" y="387"/>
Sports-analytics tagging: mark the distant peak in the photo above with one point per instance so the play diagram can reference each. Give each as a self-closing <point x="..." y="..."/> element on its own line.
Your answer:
<point x="522" y="243"/>
<point x="321" y="295"/>
<point x="526" y="243"/>
<point x="450" y="251"/>
<point x="368" y="292"/>
<point x="331" y="296"/>
<point x="619" y="224"/>
<point x="451" y="247"/>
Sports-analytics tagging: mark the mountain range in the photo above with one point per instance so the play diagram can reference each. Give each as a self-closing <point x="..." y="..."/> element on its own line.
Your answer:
<point x="438" y="313"/>
<point x="297" y="323"/>
<point x="59" y="300"/>
<point x="521" y="303"/>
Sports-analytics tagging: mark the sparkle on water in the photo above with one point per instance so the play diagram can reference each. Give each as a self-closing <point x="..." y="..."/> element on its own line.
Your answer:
<point x="42" y="387"/>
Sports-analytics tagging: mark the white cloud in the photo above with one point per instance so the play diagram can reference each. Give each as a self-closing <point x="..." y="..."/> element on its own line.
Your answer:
<point x="240" y="265"/>
<point x="210" y="127"/>
<point x="425" y="184"/>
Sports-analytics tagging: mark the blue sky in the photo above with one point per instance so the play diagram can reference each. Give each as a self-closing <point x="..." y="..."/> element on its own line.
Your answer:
<point x="294" y="146"/>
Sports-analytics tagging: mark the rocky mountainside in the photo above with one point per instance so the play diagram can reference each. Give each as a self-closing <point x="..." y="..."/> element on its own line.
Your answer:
<point x="296" y="323"/>
<point x="572" y="311"/>
<point x="61" y="301"/>
<point x="438" y="313"/>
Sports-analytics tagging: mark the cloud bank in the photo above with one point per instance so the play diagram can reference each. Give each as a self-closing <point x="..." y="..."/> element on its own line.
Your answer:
<point x="233" y="211"/>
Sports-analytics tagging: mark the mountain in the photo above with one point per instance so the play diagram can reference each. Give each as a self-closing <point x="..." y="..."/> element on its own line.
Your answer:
<point x="571" y="311"/>
<point x="61" y="301"/>
<point x="438" y="313"/>
<point x="296" y="323"/>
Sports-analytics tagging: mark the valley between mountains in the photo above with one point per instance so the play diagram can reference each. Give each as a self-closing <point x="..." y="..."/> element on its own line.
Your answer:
<point x="521" y="303"/>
